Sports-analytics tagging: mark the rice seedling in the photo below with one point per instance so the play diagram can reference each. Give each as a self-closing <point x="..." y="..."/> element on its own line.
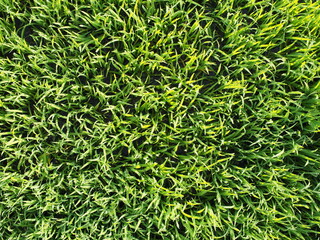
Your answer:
<point x="159" y="119"/>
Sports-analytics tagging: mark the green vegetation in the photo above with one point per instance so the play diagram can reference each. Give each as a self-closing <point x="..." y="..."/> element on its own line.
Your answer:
<point x="159" y="119"/>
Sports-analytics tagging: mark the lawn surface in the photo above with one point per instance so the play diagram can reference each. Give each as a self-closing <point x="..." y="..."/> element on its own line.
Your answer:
<point x="159" y="119"/>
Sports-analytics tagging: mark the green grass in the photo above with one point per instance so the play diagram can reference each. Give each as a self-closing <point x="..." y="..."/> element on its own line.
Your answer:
<point x="159" y="119"/>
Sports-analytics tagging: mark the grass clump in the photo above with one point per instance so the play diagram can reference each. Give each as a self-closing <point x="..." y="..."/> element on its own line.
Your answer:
<point x="159" y="119"/>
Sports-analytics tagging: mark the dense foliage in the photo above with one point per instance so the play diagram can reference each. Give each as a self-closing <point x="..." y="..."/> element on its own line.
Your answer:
<point x="159" y="119"/>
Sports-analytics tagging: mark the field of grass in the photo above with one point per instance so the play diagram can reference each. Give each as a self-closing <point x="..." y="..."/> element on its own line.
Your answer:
<point x="159" y="119"/>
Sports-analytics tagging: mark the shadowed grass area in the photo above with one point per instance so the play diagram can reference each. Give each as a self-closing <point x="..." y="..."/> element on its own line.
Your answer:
<point x="159" y="119"/>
